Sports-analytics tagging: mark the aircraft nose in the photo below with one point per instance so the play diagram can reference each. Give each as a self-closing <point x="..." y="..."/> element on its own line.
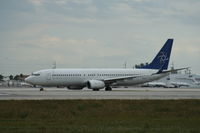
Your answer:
<point x="28" y="80"/>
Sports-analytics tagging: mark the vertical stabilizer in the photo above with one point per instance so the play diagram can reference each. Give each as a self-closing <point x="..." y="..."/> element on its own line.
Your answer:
<point x="161" y="60"/>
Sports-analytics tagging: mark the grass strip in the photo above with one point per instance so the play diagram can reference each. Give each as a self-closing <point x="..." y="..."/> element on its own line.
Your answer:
<point x="100" y="116"/>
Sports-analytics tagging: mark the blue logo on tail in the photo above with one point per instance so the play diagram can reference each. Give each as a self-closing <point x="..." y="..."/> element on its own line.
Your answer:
<point x="163" y="57"/>
<point x="161" y="60"/>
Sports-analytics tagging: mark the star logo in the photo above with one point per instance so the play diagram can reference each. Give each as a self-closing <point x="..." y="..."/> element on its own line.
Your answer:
<point x="163" y="57"/>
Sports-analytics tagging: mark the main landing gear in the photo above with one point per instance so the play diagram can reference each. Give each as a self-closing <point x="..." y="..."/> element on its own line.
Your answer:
<point x="108" y="88"/>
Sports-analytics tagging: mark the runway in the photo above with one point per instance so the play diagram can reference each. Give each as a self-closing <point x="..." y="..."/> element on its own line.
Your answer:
<point x="117" y="93"/>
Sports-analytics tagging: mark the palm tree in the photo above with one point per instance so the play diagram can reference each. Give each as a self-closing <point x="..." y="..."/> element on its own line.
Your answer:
<point x="11" y="77"/>
<point x="1" y="77"/>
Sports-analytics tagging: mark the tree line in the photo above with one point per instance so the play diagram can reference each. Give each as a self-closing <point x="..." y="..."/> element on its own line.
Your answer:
<point x="19" y="77"/>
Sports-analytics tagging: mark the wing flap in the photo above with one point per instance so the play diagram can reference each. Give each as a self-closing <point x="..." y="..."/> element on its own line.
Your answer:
<point x="112" y="80"/>
<point x="174" y="70"/>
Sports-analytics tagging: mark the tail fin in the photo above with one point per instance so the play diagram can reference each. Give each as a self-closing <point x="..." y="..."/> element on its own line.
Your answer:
<point x="161" y="60"/>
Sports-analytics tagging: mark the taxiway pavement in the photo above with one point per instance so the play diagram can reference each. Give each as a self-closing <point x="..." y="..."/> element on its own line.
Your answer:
<point x="117" y="93"/>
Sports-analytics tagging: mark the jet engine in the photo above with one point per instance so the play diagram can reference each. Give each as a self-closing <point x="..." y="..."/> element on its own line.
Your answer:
<point x="95" y="84"/>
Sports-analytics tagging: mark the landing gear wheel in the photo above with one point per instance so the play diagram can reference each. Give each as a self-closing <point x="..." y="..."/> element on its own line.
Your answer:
<point x="95" y="89"/>
<point x="41" y="89"/>
<point x="108" y="88"/>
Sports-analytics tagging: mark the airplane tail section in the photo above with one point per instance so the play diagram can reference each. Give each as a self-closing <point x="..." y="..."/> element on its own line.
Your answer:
<point x="161" y="60"/>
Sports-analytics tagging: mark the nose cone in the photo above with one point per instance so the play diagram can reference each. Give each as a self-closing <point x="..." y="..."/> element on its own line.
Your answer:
<point x="28" y="80"/>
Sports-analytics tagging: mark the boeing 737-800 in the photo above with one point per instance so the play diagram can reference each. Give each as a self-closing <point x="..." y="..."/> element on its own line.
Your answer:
<point x="104" y="78"/>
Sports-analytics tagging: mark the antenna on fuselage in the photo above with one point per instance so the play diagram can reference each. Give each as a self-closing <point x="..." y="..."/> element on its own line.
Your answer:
<point x="125" y="63"/>
<point x="54" y="65"/>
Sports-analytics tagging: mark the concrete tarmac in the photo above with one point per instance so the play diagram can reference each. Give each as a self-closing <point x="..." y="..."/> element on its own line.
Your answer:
<point x="117" y="93"/>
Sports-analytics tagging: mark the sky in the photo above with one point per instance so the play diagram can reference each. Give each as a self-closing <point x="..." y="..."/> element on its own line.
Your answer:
<point x="96" y="33"/>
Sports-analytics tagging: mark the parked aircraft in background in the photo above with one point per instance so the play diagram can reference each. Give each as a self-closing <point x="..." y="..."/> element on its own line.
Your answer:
<point x="154" y="84"/>
<point x="166" y="85"/>
<point x="96" y="79"/>
<point x="176" y="80"/>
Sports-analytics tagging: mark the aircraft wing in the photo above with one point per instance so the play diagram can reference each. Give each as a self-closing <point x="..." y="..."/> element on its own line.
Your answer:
<point x="112" y="80"/>
<point x="174" y="70"/>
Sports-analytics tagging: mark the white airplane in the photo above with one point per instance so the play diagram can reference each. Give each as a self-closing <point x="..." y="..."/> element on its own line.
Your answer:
<point x="166" y="85"/>
<point x="154" y="84"/>
<point x="180" y="84"/>
<point x="96" y="79"/>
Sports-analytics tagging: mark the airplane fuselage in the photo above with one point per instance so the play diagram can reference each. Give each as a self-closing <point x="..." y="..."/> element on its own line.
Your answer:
<point x="78" y="78"/>
<point x="105" y="78"/>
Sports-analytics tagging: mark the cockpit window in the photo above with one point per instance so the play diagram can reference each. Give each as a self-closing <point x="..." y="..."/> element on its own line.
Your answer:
<point x="35" y="74"/>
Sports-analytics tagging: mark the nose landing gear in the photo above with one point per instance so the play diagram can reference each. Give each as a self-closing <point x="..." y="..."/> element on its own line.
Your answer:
<point x="41" y="89"/>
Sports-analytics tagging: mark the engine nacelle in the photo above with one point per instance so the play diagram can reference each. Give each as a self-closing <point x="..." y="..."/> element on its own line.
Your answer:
<point x="95" y="84"/>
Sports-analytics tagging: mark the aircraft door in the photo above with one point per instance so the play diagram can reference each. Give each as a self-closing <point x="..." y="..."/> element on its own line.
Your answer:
<point x="49" y="76"/>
